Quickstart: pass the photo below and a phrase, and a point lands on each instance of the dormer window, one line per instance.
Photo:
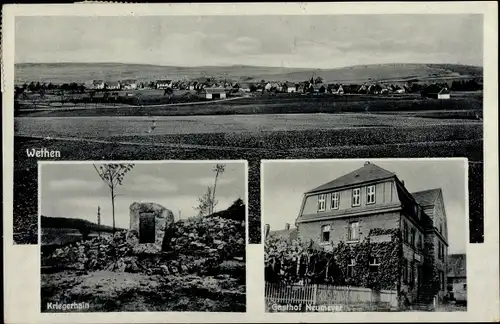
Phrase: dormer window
(321, 202)
(370, 194)
(335, 200)
(356, 196)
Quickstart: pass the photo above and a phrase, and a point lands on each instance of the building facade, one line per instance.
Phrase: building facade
(213, 93)
(371, 204)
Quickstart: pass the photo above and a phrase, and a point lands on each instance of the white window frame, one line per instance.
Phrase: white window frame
(335, 200)
(349, 234)
(322, 202)
(356, 199)
(351, 265)
(325, 229)
(369, 194)
(375, 262)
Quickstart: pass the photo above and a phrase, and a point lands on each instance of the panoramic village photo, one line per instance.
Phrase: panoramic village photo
(365, 236)
(248, 87)
(143, 236)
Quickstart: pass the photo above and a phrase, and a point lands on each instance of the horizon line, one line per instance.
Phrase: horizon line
(255, 66)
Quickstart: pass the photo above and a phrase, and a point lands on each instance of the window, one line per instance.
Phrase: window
(421, 243)
(353, 234)
(350, 268)
(370, 194)
(374, 264)
(441, 280)
(355, 196)
(147, 228)
(441, 250)
(335, 200)
(325, 233)
(412, 237)
(441, 228)
(412, 273)
(404, 266)
(405, 232)
(321, 202)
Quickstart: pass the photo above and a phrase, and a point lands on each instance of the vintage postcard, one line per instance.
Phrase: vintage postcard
(112, 85)
(365, 236)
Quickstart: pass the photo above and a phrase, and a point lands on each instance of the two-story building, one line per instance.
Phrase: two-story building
(369, 202)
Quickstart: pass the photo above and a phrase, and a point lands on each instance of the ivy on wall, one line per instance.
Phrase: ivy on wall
(282, 257)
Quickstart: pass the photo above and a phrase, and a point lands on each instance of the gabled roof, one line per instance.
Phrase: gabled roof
(444, 91)
(426, 197)
(457, 265)
(369, 172)
(290, 234)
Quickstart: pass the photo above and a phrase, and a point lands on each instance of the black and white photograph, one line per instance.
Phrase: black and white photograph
(119, 236)
(365, 236)
(250, 162)
(245, 87)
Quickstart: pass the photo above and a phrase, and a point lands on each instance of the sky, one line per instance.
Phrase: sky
(282, 193)
(75, 190)
(308, 41)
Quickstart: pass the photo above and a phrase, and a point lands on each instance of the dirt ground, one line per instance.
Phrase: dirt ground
(107, 291)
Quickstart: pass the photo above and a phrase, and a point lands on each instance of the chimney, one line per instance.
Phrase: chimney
(287, 226)
(267, 228)
(403, 182)
(366, 163)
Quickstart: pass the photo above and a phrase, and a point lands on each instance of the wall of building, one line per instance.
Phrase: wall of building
(385, 193)
(340, 226)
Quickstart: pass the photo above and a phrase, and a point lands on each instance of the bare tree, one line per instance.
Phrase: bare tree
(207, 202)
(99, 220)
(219, 170)
(112, 175)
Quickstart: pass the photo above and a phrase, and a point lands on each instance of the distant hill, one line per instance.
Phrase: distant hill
(85, 72)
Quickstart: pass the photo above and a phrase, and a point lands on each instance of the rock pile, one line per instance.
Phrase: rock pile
(197, 245)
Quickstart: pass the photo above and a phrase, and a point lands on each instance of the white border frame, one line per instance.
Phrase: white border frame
(21, 274)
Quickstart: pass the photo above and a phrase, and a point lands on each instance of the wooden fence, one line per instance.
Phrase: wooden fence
(344, 298)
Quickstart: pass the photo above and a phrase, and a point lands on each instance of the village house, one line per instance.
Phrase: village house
(164, 84)
(213, 93)
(457, 277)
(112, 85)
(444, 94)
(336, 89)
(291, 87)
(370, 202)
(98, 84)
(129, 84)
(286, 233)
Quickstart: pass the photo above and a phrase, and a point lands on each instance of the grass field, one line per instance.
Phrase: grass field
(295, 104)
